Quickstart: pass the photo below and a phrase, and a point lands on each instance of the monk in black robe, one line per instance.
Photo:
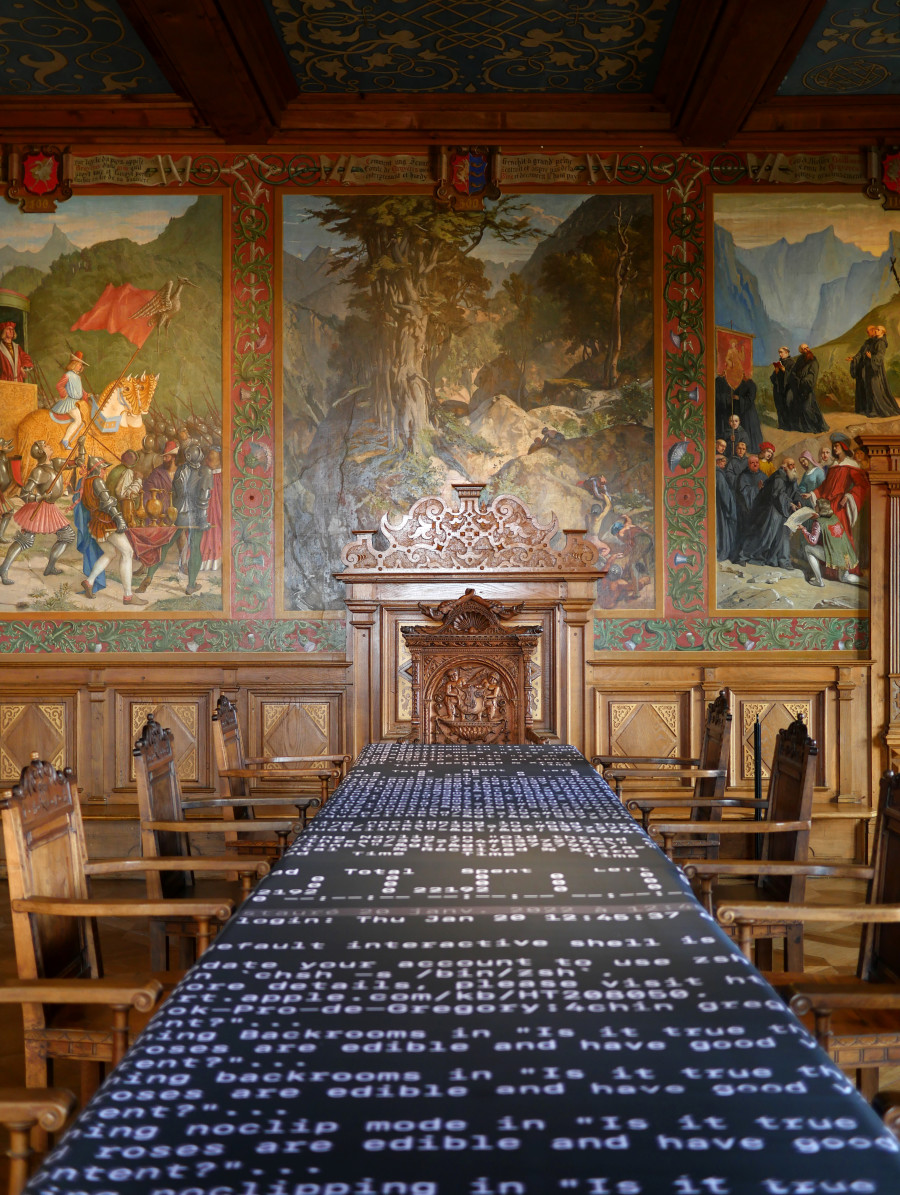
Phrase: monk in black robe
(873, 394)
(767, 539)
(805, 414)
(778, 378)
(726, 513)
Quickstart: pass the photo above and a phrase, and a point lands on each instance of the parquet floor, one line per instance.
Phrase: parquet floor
(125, 947)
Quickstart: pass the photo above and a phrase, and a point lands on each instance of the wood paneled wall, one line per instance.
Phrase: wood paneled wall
(89, 717)
(658, 707)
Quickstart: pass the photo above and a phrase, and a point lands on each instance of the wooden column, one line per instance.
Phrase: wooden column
(362, 647)
(884, 602)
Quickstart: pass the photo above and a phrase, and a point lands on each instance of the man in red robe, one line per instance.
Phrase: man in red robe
(846, 486)
(13, 360)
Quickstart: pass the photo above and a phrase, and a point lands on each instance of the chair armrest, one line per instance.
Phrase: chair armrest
(730, 914)
(250, 802)
(695, 803)
(608, 761)
(191, 863)
(825, 997)
(197, 825)
(744, 826)
(142, 996)
(47, 1107)
(741, 867)
(334, 760)
(279, 773)
(652, 773)
(217, 910)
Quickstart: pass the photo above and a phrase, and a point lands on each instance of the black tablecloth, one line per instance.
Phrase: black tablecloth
(474, 973)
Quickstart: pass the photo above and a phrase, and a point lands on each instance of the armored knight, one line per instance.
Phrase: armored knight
(107, 526)
(39, 514)
(191, 488)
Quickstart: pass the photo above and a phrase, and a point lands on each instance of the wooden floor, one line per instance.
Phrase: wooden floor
(125, 946)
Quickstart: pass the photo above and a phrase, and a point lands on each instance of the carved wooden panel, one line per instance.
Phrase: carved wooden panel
(471, 674)
(43, 725)
(187, 715)
(397, 674)
(289, 723)
(636, 725)
(774, 715)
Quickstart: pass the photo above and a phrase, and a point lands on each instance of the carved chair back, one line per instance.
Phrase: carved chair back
(159, 799)
(714, 750)
(45, 854)
(790, 797)
(229, 748)
(879, 954)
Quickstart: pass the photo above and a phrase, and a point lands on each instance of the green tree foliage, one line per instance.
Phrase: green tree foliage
(417, 284)
(189, 361)
(533, 320)
(603, 308)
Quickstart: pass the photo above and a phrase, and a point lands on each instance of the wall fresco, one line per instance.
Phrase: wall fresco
(512, 347)
(111, 427)
(250, 189)
(806, 358)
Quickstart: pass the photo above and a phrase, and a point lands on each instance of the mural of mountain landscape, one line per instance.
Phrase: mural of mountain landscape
(111, 407)
(512, 347)
(807, 298)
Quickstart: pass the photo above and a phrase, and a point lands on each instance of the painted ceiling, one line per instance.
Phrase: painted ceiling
(854, 49)
(88, 47)
(473, 45)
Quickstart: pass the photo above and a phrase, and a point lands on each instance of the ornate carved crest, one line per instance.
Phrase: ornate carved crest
(43, 792)
(155, 743)
(503, 537)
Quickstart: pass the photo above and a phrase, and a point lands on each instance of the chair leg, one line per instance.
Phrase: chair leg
(91, 1074)
(793, 949)
(19, 1154)
(867, 1082)
(764, 954)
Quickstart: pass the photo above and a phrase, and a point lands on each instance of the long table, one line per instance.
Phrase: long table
(474, 973)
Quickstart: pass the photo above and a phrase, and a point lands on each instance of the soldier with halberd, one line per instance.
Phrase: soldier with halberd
(39, 514)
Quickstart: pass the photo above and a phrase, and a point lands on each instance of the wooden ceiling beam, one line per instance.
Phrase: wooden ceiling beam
(723, 57)
(222, 55)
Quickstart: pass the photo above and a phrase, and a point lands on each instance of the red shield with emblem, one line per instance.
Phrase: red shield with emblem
(40, 173)
(891, 172)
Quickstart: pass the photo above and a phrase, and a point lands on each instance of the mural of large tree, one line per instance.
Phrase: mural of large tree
(416, 279)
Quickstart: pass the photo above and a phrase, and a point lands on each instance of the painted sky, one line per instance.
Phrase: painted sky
(769, 217)
(87, 220)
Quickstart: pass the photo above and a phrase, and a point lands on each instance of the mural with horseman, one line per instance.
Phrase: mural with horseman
(111, 406)
(511, 346)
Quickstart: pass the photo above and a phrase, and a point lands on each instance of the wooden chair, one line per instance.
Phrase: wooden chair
(65, 999)
(165, 836)
(21, 1111)
(785, 836)
(297, 772)
(708, 771)
(857, 1018)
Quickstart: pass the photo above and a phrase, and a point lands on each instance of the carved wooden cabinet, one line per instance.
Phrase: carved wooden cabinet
(471, 675)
